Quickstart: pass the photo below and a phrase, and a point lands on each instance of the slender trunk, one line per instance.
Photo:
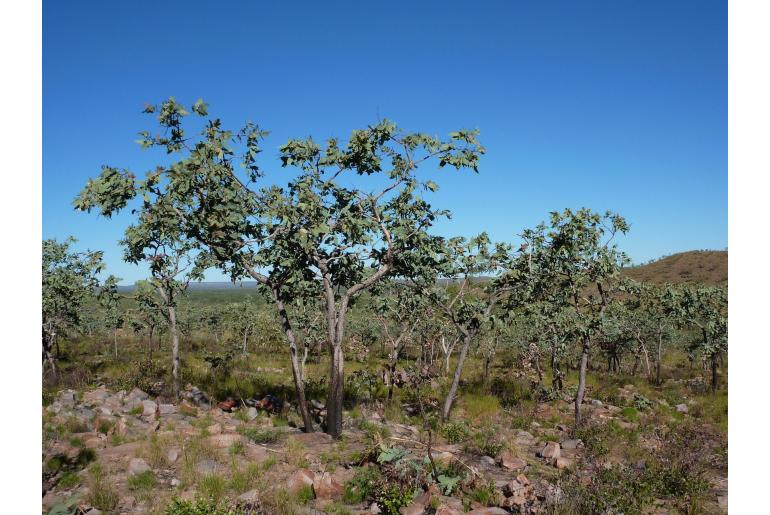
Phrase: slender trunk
(487, 359)
(297, 373)
(659, 360)
(245, 339)
(714, 379)
(456, 379)
(115, 341)
(581, 390)
(174, 348)
(334, 401)
(637, 359)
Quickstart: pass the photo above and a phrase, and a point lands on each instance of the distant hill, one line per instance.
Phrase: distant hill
(694, 267)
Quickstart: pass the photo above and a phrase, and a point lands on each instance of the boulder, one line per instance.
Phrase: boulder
(551, 451)
(510, 462)
(412, 509)
(251, 496)
(682, 408)
(488, 510)
(95, 397)
(167, 409)
(208, 467)
(571, 444)
(326, 487)
(137, 466)
(66, 398)
(251, 413)
(224, 440)
(148, 408)
(562, 463)
(300, 479)
(172, 455)
(136, 393)
(487, 460)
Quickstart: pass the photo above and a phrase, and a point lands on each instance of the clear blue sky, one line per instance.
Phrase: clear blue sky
(616, 105)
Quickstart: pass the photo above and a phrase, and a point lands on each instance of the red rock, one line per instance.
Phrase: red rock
(510, 462)
(326, 487)
(300, 479)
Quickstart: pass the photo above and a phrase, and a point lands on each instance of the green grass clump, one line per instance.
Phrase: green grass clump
(213, 486)
(237, 448)
(101, 494)
(142, 484)
(455, 432)
(260, 435)
(68, 480)
(200, 507)
(363, 486)
(305, 495)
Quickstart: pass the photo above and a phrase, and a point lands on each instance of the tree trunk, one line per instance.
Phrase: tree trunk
(336, 385)
(174, 348)
(714, 378)
(297, 373)
(456, 379)
(115, 341)
(581, 390)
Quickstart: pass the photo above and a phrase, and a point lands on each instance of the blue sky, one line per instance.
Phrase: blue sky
(617, 105)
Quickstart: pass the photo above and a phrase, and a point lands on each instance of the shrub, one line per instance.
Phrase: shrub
(393, 497)
(363, 486)
(68, 480)
(455, 432)
(101, 494)
(213, 486)
(199, 507)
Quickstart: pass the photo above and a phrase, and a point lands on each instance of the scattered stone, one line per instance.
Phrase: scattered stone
(597, 402)
(310, 439)
(207, 467)
(571, 444)
(167, 409)
(67, 397)
(374, 509)
(510, 462)
(214, 429)
(551, 451)
(412, 509)
(488, 510)
(224, 440)
(172, 455)
(137, 466)
(148, 408)
(563, 463)
(682, 408)
(488, 460)
(95, 397)
(136, 393)
(251, 413)
(175, 482)
(326, 487)
(300, 479)
(251, 496)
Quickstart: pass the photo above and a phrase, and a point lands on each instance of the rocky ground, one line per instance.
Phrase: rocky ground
(125, 452)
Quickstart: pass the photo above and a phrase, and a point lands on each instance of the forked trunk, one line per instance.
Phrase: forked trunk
(456, 378)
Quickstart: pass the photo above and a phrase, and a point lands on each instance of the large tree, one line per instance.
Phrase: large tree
(341, 223)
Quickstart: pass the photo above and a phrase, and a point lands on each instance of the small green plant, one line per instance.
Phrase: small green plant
(68, 479)
(76, 441)
(363, 486)
(142, 484)
(269, 462)
(641, 402)
(260, 435)
(455, 432)
(137, 410)
(305, 495)
(393, 497)
(213, 486)
(199, 507)
(237, 448)
(101, 493)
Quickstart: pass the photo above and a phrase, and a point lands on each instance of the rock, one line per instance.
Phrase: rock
(513, 487)
(412, 509)
(551, 451)
(136, 393)
(167, 409)
(597, 402)
(571, 444)
(488, 460)
(207, 467)
(251, 496)
(562, 463)
(514, 502)
(374, 509)
(310, 439)
(300, 479)
(137, 466)
(251, 413)
(722, 501)
(326, 487)
(95, 397)
(172, 455)
(488, 510)
(148, 408)
(510, 462)
(214, 429)
(682, 408)
(442, 458)
(67, 397)
(224, 440)
(175, 482)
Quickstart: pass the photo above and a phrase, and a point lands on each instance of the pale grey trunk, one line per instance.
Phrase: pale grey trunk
(456, 378)
(581, 390)
(174, 348)
(660, 359)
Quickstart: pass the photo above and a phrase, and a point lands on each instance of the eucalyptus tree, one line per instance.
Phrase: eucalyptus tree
(465, 279)
(110, 302)
(398, 309)
(581, 265)
(69, 281)
(158, 238)
(705, 309)
(340, 224)
(149, 312)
